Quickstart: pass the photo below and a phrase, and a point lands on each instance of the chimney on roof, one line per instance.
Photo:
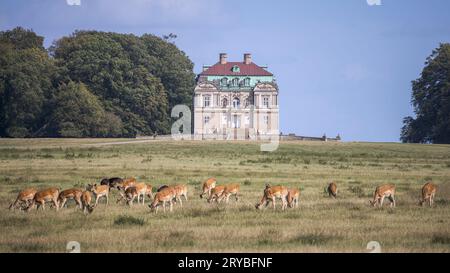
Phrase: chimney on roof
(247, 58)
(223, 58)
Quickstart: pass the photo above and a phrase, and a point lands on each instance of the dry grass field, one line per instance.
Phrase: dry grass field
(320, 224)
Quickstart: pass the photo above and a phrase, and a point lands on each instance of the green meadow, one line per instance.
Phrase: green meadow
(320, 224)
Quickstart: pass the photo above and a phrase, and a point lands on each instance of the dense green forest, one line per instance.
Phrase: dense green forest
(90, 84)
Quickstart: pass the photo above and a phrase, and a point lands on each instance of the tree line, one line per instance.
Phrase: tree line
(90, 84)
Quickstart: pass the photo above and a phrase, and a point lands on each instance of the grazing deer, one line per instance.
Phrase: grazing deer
(25, 197)
(332, 190)
(292, 197)
(208, 185)
(180, 190)
(141, 189)
(382, 192)
(428, 193)
(215, 193)
(99, 191)
(129, 195)
(86, 202)
(43, 196)
(230, 189)
(73, 193)
(111, 182)
(126, 183)
(165, 195)
(271, 194)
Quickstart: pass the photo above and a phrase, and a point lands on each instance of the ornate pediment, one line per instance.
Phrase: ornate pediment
(265, 86)
(206, 86)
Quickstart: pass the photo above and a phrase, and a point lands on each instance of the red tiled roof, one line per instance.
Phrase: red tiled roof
(245, 70)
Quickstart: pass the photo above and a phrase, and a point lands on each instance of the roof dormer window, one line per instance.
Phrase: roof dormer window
(236, 69)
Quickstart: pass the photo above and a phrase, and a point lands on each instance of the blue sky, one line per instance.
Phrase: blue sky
(342, 66)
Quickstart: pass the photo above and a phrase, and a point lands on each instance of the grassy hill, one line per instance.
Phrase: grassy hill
(318, 225)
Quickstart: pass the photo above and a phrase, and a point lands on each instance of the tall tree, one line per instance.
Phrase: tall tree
(431, 101)
(26, 74)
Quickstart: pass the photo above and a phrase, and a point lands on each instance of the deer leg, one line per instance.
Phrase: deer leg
(63, 202)
(55, 202)
(391, 198)
(171, 205)
(78, 201)
(381, 201)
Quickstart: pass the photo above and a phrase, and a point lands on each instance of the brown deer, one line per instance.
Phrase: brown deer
(208, 185)
(332, 190)
(271, 194)
(180, 190)
(24, 198)
(428, 193)
(99, 191)
(141, 189)
(129, 195)
(381, 192)
(125, 183)
(292, 197)
(215, 193)
(43, 196)
(86, 202)
(230, 189)
(165, 195)
(73, 193)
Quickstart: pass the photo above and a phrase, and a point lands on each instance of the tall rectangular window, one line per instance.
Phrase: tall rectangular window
(206, 119)
(265, 101)
(206, 100)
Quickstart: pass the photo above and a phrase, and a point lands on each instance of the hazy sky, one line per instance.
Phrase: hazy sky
(342, 66)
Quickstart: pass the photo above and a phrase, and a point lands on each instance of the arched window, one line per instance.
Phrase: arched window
(247, 82)
(236, 103)
(235, 82)
(224, 81)
(246, 103)
(224, 102)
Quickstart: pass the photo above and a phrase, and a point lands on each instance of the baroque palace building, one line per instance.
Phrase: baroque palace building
(235, 100)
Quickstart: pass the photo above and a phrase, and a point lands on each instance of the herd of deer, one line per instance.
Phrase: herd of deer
(129, 190)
